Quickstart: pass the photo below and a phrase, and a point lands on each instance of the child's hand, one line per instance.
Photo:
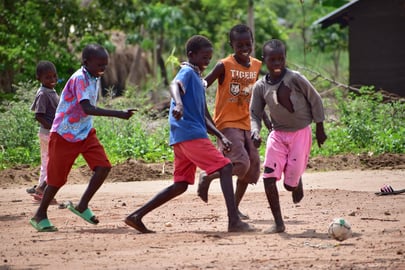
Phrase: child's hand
(126, 114)
(257, 140)
(177, 111)
(320, 134)
(226, 144)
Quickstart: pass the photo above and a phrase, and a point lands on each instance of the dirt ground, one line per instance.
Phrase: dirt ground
(191, 234)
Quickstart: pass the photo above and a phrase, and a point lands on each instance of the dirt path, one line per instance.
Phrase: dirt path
(192, 234)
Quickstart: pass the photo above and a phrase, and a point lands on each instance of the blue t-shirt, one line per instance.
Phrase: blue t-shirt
(71, 122)
(191, 126)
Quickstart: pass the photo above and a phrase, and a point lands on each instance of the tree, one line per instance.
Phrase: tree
(57, 30)
(54, 30)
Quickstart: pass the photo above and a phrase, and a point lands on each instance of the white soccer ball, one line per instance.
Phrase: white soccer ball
(340, 229)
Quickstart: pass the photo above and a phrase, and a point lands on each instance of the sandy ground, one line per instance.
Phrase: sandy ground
(192, 234)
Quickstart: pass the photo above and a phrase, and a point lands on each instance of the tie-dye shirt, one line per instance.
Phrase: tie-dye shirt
(71, 122)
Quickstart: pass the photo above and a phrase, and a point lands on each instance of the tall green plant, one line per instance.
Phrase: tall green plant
(18, 129)
(366, 125)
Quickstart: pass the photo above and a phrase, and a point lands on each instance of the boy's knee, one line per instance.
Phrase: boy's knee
(269, 181)
(227, 168)
(180, 187)
(268, 170)
(102, 171)
(105, 169)
(289, 188)
(240, 169)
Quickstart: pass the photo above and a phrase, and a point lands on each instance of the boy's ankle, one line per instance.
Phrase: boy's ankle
(40, 188)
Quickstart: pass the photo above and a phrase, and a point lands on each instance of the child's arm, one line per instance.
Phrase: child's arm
(96, 111)
(257, 113)
(175, 92)
(40, 117)
(211, 129)
(217, 73)
(267, 121)
(320, 134)
(208, 118)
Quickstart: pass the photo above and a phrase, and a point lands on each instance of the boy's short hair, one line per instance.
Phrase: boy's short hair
(240, 29)
(92, 50)
(196, 43)
(44, 66)
(274, 44)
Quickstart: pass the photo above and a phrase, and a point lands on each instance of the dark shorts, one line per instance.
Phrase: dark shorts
(244, 155)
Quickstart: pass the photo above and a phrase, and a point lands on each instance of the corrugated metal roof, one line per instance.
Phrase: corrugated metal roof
(338, 16)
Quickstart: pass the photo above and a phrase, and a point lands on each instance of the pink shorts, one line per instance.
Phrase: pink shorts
(288, 153)
(189, 155)
(62, 155)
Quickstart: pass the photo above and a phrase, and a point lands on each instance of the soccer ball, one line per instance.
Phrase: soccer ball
(339, 229)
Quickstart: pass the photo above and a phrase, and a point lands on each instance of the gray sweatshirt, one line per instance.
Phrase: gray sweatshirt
(306, 101)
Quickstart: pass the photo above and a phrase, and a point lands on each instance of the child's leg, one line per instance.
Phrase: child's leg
(48, 195)
(270, 188)
(58, 169)
(95, 156)
(204, 184)
(97, 179)
(300, 147)
(297, 192)
(43, 145)
(135, 219)
(234, 222)
(240, 158)
(252, 171)
(240, 191)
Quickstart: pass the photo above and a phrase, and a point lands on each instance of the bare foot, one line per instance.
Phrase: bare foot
(242, 216)
(275, 229)
(203, 186)
(136, 223)
(298, 192)
(241, 226)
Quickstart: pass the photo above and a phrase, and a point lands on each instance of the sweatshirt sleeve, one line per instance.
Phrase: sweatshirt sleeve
(312, 96)
(257, 104)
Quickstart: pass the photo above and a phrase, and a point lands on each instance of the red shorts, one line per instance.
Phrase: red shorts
(62, 155)
(189, 155)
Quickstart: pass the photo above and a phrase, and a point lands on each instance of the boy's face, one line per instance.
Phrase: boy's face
(274, 58)
(97, 64)
(242, 44)
(201, 58)
(48, 78)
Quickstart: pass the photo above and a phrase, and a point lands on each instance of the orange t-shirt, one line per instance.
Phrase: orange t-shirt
(233, 95)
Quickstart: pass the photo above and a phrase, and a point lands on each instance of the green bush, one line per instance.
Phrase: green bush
(365, 124)
(18, 129)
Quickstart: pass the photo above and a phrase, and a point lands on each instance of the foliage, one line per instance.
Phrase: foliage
(57, 30)
(139, 138)
(366, 125)
(54, 30)
(18, 130)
